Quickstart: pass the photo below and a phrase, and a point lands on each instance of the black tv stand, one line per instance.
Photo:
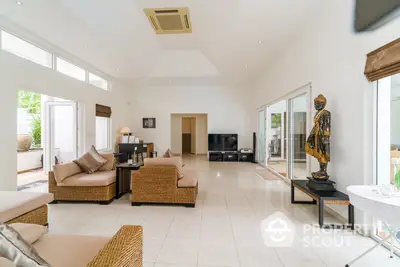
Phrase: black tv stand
(229, 156)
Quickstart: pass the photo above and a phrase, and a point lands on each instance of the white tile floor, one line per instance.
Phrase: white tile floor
(225, 227)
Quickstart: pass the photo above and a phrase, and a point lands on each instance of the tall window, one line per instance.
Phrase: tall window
(388, 139)
(98, 81)
(283, 127)
(103, 133)
(25, 50)
(70, 69)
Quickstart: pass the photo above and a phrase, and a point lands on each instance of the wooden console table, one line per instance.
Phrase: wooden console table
(321, 198)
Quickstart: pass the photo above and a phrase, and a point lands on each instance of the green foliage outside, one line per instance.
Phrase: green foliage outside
(276, 120)
(31, 102)
(36, 131)
(397, 180)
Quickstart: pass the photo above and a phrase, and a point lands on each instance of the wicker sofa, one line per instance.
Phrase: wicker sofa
(164, 180)
(124, 249)
(68, 183)
(24, 207)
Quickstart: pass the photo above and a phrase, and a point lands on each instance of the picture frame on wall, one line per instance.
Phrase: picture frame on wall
(149, 123)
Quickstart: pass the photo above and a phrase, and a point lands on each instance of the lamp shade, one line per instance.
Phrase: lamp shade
(125, 130)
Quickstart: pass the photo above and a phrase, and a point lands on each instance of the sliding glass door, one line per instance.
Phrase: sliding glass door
(297, 136)
(277, 137)
(287, 124)
(261, 137)
(387, 142)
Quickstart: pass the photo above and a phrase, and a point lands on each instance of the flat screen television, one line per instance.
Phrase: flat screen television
(222, 142)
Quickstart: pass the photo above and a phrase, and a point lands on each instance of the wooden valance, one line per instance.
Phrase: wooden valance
(383, 62)
(103, 111)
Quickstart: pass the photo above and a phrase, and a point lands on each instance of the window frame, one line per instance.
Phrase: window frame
(98, 76)
(54, 52)
(57, 58)
(376, 159)
(109, 137)
(51, 66)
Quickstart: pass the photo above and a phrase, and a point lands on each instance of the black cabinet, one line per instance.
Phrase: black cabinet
(232, 156)
(246, 157)
(215, 156)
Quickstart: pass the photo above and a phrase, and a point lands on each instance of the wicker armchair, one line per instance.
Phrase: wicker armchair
(159, 184)
(125, 249)
(101, 194)
(24, 207)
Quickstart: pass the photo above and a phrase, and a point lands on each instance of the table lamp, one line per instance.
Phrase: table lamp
(125, 131)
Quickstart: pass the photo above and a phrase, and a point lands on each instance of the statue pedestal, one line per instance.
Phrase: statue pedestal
(321, 185)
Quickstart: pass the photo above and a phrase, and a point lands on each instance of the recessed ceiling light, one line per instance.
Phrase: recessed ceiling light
(19, 3)
(260, 42)
(170, 81)
(246, 66)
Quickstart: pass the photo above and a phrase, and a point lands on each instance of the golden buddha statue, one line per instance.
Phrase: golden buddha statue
(318, 144)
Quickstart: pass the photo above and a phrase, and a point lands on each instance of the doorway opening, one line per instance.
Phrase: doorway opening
(189, 134)
(46, 134)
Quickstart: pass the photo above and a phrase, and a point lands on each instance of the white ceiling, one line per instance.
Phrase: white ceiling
(116, 37)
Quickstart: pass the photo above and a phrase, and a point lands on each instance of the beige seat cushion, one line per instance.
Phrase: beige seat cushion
(14, 204)
(189, 179)
(109, 166)
(64, 170)
(6, 263)
(95, 179)
(172, 161)
(69, 250)
(29, 232)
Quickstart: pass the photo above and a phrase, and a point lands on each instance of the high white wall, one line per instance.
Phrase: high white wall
(17, 73)
(228, 110)
(332, 57)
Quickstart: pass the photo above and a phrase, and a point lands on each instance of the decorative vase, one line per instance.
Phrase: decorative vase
(24, 142)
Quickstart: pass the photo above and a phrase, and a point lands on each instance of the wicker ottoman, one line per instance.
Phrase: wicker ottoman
(24, 207)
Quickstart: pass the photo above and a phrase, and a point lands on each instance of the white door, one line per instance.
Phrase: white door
(61, 133)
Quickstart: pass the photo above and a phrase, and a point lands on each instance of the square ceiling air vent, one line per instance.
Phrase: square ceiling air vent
(169, 20)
